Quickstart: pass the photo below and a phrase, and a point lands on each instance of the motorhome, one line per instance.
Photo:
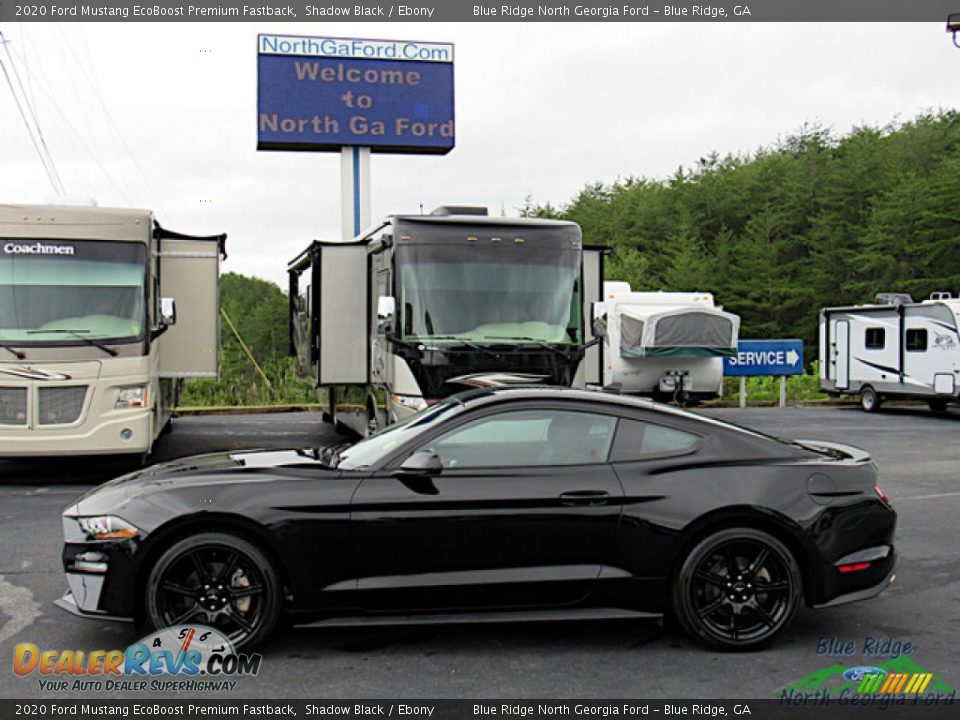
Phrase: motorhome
(668, 345)
(894, 348)
(423, 306)
(103, 314)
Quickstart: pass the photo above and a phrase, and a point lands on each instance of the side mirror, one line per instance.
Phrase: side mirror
(599, 324)
(423, 462)
(168, 311)
(386, 308)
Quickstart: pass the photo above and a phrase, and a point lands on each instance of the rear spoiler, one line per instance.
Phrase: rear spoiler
(836, 450)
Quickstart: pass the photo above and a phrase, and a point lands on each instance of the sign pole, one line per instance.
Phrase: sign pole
(783, 391)
(743, 391)
(354, 191)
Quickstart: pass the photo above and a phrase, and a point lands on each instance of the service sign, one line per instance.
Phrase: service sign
(323, 93)
(765, 357)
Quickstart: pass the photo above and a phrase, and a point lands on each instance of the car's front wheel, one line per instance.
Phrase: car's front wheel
(737, 589)
(215, 579)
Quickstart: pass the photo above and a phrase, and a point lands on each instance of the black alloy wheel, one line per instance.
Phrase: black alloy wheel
(218, 580)
(737, 589)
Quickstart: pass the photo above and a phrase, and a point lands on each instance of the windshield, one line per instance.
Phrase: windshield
(57, 291)
(492, 294)
(369, 451)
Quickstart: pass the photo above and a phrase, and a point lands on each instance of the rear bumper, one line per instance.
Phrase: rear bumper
(858, 595)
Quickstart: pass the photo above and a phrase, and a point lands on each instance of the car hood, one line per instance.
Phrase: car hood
(234, 467)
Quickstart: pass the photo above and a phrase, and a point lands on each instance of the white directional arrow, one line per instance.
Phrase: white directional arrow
(792, 357)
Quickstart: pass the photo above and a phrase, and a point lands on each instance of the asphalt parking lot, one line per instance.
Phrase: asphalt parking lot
(919, 459)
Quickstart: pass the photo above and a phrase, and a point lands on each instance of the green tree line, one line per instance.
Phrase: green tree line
(258, 310)
(814, 220)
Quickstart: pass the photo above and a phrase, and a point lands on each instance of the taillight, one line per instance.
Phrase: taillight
(853, 567)
(882, 495)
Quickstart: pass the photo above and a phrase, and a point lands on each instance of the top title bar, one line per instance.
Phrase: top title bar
(860, 11)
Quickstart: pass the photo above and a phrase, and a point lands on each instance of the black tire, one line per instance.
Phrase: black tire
(215, 579)
(737, 589)
(869, 399)
(937, 406)
(374, 421)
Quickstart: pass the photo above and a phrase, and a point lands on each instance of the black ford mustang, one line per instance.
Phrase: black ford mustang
(503, 504)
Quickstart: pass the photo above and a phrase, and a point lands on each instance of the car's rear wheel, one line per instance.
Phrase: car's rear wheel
(737, 589)
(215, 579)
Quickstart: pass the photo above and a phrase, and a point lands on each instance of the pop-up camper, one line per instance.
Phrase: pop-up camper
(666, 344)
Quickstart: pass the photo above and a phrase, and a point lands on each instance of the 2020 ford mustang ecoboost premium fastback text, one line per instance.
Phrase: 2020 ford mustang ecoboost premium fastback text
(516, 503)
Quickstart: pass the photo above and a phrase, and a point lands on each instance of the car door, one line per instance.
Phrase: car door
(523, 513)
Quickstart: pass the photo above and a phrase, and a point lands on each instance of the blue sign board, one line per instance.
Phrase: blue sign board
(766, 357)
(327, 93)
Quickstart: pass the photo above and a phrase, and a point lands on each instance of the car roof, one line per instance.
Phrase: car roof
(478, 397)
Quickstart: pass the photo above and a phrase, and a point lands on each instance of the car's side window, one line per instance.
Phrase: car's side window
(638, 440)
(527, 437)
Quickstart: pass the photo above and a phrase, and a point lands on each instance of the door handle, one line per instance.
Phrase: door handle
(585, 497)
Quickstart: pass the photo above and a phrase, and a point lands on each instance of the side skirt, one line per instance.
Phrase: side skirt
(484, 617)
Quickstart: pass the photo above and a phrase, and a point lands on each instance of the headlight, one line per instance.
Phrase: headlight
(134, 396)
(413, 402)
(106, 527)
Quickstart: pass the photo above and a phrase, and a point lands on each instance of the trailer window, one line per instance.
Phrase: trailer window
(917, 340)
(875, 339)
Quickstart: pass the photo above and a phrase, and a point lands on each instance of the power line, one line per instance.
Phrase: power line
(106, 111)
(67, 124)
(51, 174)
(33, 115)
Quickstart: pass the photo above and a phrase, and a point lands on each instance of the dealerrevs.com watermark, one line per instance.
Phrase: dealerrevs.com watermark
(184, 658)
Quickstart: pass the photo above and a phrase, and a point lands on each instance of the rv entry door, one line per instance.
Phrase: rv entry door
(841, 354)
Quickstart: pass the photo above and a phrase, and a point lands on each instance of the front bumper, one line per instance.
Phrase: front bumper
(69, 603)
(93, 437)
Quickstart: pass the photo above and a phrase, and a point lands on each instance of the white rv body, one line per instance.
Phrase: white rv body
(92, 350)
(423, 306)
(892, 349)
(668, 344)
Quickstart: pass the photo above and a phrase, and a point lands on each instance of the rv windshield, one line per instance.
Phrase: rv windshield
(57, 291)
(493, 295)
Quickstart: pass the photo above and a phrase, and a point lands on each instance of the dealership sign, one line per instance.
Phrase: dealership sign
(765, 357)
(321, 93)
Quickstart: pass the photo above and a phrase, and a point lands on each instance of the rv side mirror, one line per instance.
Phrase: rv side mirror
(386, 307)
(168, 311)
(599, 324)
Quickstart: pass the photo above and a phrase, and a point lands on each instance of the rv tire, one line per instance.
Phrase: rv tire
(937, 406)
(869, 399)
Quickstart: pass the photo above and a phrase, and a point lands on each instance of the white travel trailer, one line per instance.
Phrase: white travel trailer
(103, 313)
(666, 344)
(895, 348)
(423, 306)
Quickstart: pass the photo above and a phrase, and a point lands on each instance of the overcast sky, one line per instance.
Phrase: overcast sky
(164, 115)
